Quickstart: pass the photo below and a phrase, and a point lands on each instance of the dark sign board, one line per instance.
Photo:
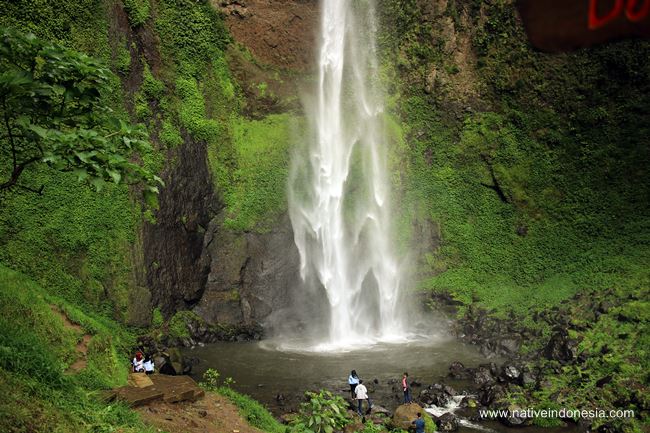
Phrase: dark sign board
(562, 25)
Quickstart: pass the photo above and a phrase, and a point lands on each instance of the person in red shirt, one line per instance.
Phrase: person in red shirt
(406, 388)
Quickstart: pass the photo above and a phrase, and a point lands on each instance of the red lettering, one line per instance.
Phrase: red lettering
(596, 22)
(640, 14)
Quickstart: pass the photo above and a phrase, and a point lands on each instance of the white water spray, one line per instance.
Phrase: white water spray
(339, 194)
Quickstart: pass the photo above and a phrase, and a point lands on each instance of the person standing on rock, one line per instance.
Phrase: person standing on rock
(406, 388)
(419, 424)
(362, 394)
(353, 381)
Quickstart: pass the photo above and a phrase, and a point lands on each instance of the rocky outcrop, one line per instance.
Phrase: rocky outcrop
(251, 275)
(173, 246)
(277, 33)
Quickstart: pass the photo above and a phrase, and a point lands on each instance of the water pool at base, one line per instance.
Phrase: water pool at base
(264, 372)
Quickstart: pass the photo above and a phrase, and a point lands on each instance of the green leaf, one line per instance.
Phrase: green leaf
(41, 132)
(98, 183)
(81, 174)
(115, 175)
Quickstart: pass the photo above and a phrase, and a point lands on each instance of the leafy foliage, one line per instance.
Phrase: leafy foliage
(53, 113)
(323, 413)
(138, 11)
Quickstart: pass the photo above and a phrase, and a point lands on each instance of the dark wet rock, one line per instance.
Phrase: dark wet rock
(529, 378)
(490, 394)
(458, 371)
(510, 373)
(560, 347)
(482, 376)
(377, 409)
(604, 306)
(603, 381)
(415, 383)
(449, 390)
(375, 381)
(509, 346)
(469, 401)
(447, 422)
(515, 418)
(437, 394)
(247, 281)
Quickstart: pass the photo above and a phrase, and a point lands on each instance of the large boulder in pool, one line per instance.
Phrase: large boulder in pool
(407, 413)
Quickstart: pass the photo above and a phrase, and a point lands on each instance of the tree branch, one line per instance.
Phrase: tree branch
(495, 183)
(18, 169)
(9, 133)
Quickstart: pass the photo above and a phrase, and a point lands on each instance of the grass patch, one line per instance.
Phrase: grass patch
(36, 393)
(256, 414)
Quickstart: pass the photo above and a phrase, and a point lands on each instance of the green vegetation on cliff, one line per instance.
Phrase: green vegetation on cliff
(80, 250)
(531, 167)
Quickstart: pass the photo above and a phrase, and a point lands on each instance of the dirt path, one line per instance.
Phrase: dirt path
(82, 345)
(211, 414)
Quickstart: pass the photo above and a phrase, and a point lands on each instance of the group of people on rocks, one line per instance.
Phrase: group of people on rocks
(359, 391)
(142, 363)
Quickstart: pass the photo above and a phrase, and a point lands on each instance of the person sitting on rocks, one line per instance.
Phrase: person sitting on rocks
(362, 394)
(148, 365)
(138, 362)
(419, 424)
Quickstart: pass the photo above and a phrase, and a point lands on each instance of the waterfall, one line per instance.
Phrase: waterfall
(339, 193)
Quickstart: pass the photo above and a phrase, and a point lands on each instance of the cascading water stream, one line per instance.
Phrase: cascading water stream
(339, 194)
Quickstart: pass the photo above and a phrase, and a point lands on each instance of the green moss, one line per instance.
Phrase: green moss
(200, 39)
(170, 137)
(157, 319)
(177, 327)
(138, 11)
(257, 193)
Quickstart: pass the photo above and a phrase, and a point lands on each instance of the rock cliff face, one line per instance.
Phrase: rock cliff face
(280, 33)
(251, 275)
(194, 262)
(173, 247)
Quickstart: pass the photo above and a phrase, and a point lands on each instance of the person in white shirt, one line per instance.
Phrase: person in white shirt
(148, 365)
(362, 394)
(138, 362)
(353, 381)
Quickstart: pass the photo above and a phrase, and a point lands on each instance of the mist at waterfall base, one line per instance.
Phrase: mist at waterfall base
(340, 197)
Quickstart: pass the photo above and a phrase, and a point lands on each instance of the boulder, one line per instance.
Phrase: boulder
(449, 390)
(510, 373)
(490, 394)
(528, 378)
(379, 410)
(458, 371)
(560, 347)
(509, 346)
(447, 422)
(405, 414)
(482, 376)
(515, 417)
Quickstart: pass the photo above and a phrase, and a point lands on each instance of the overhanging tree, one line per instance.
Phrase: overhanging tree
(52, 112)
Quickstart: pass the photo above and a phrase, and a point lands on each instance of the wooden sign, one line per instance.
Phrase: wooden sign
(562, 25)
